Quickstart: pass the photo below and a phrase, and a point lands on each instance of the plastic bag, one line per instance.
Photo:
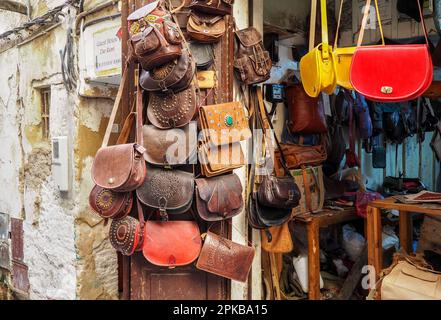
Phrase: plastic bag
(353, 242)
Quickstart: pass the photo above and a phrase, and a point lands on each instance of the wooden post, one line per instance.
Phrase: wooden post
(374, 239)
(312, 230)
(406, 231)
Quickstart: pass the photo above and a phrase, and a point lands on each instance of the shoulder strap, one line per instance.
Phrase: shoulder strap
(338, 24)
(139, 135)
(364, 22)
(312, 22)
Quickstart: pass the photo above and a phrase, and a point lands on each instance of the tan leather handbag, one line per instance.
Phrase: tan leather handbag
(277, 239)
(206, 28)
(121, 167)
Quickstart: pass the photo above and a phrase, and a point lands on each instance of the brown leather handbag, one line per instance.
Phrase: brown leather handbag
(219, 198)
(169, 191)
(306, 114)
(154, 38)
(167, 111)
(109, 204)
(174, 76)
(126, 235)
(297, 156)
(206, 28)
(278, 192)
(121, 167)
(217, 160)
(252, 63)
(225, 258)
(173, 147)
(171, 243)
(219, 7)
(202, 54)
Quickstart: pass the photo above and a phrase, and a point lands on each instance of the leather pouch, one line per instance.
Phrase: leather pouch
(206, 79)
(173, 147)
(206, 28)
(169, 191)
(225, 258)
(171, 243)
(202, 54)
(252, 63)
(219, 198)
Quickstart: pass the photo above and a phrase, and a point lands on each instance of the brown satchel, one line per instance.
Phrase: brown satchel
(167, 111)
(154, 39)
(297, 156)
(220, 7)
(172, 77)
(252, 63)
(225, 258)
(206, 28)
(121, 167)
(173, 147)
(306, 114)
(219, 198)
(169, 191)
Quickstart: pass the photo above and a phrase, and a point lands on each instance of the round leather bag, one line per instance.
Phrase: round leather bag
(126, 235)
(109, 204)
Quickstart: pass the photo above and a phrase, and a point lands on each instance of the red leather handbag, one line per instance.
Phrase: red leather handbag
(391, 73)
(171, 243)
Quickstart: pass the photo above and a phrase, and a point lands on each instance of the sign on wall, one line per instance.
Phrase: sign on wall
(107, 52)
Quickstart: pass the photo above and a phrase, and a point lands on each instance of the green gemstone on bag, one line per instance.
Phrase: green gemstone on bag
(229, 121)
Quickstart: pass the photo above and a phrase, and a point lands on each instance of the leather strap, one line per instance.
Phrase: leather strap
(127, 127)
(364, 22)
(338, 24)
(140, 212)
(115, 109)
(139, 135)
(325, 40)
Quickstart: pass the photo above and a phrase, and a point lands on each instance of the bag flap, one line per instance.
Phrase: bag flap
(166, 189)
(424, 275)
(113, 165)
(262, 63)
(249, 36)
(143, 11)
(221, 194)
(225, 123)
(170, 147)
(171, 243)
(202, 53)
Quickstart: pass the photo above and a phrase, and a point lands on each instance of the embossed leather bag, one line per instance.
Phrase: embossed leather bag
(171, 147)
(206, 28)
(219, 198)
(169, 191)
(174, 76)
(126, 235)
(154, 38)
(202, 54)
(391, 73)
(225, 258)
(306, 114)
(252, 63)
(171, 243)
(220, 7)
(109, 204)
(167, 111)
(223, 127)
(121, 167)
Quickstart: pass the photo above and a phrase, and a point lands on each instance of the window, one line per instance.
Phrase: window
(45, 111)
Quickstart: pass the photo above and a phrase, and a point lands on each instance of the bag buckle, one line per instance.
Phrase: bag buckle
(386, 89)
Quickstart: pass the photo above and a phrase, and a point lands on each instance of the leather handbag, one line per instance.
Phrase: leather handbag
(225, 258)
(172, 77)
(317, 66)
(154, 38)
(168, 111)
(202, 54)
(219, 7)
(306, 114)
(109, 204)
(219, 198)
(169, 191)
(206, 28)
(297, 156)
(252, 63)
(342, 58)
(312, 190)
(391, 73)
(173, 147)
(217, 160)
(121, 167)
(126, 234)
(171, 243)
(278, 192)
(277, 239)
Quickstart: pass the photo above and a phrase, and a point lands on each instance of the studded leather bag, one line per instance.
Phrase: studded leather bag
(206, 28)
(154, 38)
(169, 191)
(225, 258)
(121, 168)
(173, 147)
(219, 7)
(252, 63)
(167, 111)
(219, 198)
(109, 204)
(174, 76)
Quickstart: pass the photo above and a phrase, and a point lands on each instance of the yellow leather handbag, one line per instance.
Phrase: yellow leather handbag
(317, 66)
